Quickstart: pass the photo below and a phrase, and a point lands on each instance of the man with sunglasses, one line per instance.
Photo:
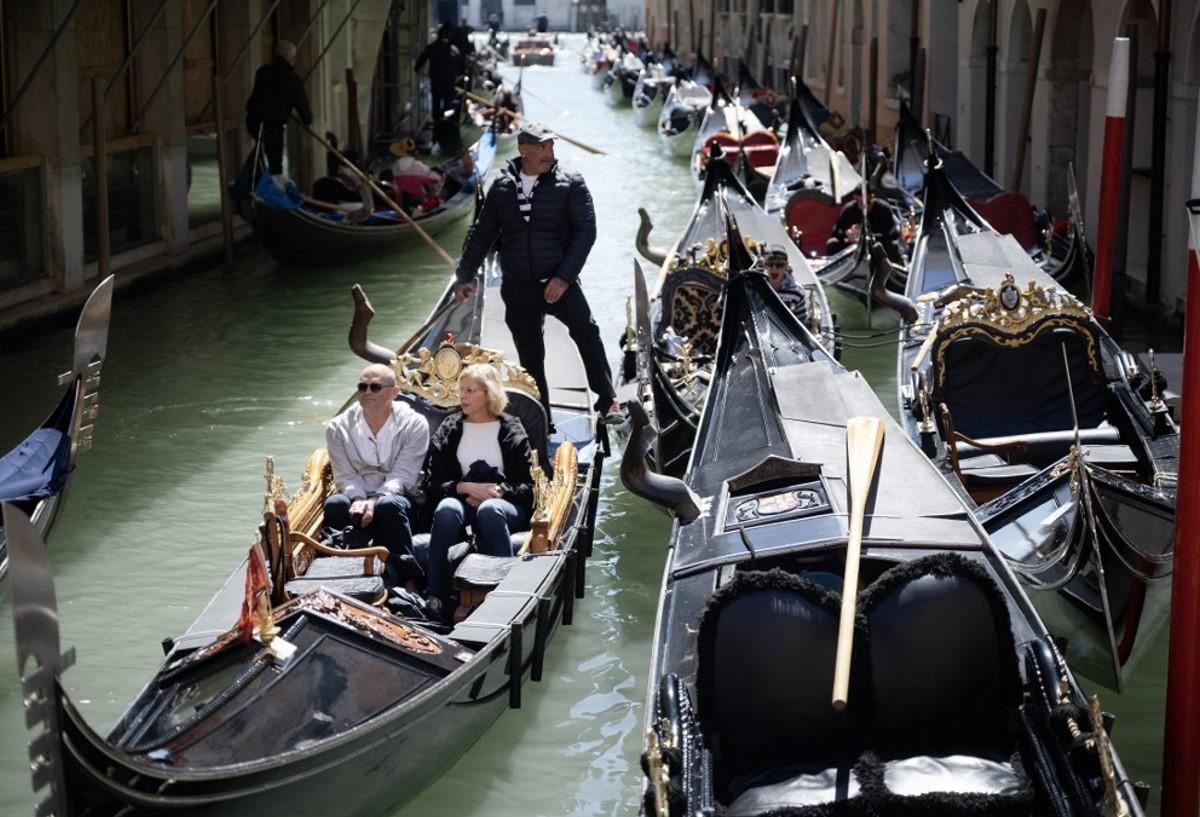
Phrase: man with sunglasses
(541, 220)
(779, 273)
(376, 450)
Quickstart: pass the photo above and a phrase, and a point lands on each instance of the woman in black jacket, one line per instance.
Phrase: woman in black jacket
(478, 475)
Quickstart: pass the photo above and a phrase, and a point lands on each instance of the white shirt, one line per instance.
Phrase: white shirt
(386, 462)
(480, 441)
(527, 183)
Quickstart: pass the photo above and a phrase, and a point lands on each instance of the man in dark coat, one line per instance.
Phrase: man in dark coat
(882, 220)
(277, 90)
(541, 220)
(444, 60)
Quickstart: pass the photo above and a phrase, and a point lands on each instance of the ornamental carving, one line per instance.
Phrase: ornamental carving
(710, 256)
(434, 375)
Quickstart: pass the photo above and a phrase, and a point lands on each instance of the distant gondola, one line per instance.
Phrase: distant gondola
(301, 233)
(35, 474)
(368, 704)
(1054, 434)
(959, 702)
(622, 79)
(748, 145)
(654, 85)
(671, 341)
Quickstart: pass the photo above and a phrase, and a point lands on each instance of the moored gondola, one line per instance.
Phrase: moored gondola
(622, 79)
(35, 474)
(654, 85)
(957, 701)
(671, 340)
(1053, 433)
(303, 232)
(747, 144)
(325, 694)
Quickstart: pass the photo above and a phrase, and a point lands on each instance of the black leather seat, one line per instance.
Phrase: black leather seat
(341, 575)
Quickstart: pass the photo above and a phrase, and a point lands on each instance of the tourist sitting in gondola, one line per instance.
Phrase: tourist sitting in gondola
(376, 449)
(414, 180)
(479, 475)
(885, 227)
(779, 273)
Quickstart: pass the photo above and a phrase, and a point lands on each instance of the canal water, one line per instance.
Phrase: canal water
(210, 372)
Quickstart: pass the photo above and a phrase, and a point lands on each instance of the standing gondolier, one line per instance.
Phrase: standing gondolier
(277, 90)
(541, 220)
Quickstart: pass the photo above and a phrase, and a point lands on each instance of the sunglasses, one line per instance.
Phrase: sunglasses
(776, 264)
(362, 387)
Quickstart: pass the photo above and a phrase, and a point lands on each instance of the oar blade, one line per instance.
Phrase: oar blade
(864, 441)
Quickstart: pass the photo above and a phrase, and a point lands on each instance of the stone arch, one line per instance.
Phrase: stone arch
(942, 54)
(1069, 123)
(978, 80)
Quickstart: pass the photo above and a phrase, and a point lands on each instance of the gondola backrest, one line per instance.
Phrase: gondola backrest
(1003, 377)
(691, 305)
(521, 405)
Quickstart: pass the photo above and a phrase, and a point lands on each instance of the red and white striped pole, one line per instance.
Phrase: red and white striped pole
(1181, 741)
(1110, 176)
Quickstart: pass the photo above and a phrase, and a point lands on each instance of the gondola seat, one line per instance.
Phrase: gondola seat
(357, 573)
(946, 689)
(765, 670)
(691, 305)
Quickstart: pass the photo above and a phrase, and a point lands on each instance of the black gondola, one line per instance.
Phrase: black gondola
(1053, 433)
(959, 703)
(35, 474)
(748, 145)
(622, 78)
(362, 706)
(672, 336)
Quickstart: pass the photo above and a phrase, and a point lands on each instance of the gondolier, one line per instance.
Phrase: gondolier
(541, 220)
(277, 90)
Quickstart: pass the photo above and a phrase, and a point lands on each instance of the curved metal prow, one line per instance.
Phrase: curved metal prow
(35, 625)
(881, 270)
(655, 255)
(669, 492)
(359, 343)
(91, 331)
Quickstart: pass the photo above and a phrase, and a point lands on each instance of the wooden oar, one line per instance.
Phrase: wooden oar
(864, 439)
(386, 198)
(519, 117)
(333, 208)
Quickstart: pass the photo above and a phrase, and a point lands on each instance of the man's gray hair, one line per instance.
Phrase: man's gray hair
(286, 50)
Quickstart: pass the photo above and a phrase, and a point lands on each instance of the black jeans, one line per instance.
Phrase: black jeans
(525, 313)
(272, 145)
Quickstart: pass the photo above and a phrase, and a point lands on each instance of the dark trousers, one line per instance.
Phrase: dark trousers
(389, 526)
(525, 313)
(272, 146)
(492, 523)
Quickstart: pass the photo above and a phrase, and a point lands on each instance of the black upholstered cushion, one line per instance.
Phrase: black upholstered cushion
(532, 415)
(480, 572)
(364, 588)
(338, 567)
(766, 654)
(943, 666)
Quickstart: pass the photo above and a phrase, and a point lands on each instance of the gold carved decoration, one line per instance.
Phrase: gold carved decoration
(1012, 317)
(709, 256)
(552, 499)
(434, 375)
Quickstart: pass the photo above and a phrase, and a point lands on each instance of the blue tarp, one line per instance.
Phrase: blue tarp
(36, 468)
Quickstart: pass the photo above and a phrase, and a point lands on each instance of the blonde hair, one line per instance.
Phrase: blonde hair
(487, 377)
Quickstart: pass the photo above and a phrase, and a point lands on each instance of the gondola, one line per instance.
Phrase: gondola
(650, 94)
(535, 50)
(35, 474)
(1053, 434)
(747, 144)
(958, 701)
(622, 78)
(671, 340)
(324, 700)
(811, 183)
(300, 233)
(679, 120)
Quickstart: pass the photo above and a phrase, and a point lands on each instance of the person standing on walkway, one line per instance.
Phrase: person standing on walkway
(541, 219)
(444, 60)
(277, 90)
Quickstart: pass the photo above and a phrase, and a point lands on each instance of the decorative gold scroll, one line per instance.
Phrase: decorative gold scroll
(434, 375)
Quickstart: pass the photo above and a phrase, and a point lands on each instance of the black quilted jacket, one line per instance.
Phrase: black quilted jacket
(445, 472)
(554, 242)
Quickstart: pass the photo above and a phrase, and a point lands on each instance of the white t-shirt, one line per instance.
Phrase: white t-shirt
(527, 183)
(480, 441)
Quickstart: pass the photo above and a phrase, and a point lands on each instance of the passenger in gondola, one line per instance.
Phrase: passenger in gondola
(277, 91)
(412, 178)
(376, 449)
(779, 273)
(884, 224)
(479, 476)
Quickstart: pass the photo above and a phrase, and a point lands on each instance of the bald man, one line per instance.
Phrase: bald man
(376, 449)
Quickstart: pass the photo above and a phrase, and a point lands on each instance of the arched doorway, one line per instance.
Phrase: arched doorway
(942, 51)
(977, 103)
(1069, 76)
(1016, 69)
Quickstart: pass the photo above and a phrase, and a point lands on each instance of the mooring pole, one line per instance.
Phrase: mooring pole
(833, 26)
(1121, 242)
(873, 93)
(989, 115)
(1158, 151)
(918, 97)
(1110, 176)
(223, 171)
(100, 176)
(1039, 28)
(1181, 743)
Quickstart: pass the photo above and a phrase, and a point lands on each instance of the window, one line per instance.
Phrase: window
(132, 216)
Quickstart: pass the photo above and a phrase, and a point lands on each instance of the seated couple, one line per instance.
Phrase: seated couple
(477, 467)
